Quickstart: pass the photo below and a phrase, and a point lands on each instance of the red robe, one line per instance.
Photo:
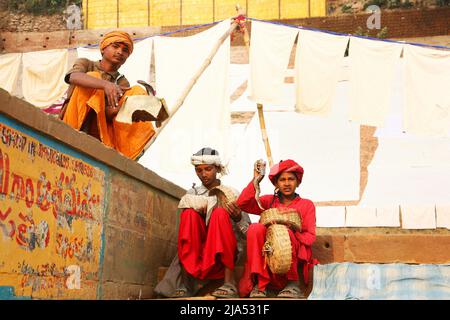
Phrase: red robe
(203, 250)
(301, 241)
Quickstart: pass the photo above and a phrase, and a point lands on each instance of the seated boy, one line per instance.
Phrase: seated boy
(286, 176)
(210, 240)
(97, 92)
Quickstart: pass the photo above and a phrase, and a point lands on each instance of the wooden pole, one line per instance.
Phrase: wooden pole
(262, 123)
(192, 82)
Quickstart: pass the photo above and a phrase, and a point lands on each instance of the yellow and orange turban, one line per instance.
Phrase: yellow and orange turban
(117, 36)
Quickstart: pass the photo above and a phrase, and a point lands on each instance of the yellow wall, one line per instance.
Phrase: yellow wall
(100, 14)
(318, 8)
(225, 9)
(164, 12)
(134, 13)
(51, 217)
(291, 9)
(197, 11)
(263, 9)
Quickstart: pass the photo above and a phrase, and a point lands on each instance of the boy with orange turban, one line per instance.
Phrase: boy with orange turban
(97, 91)
(286, 176)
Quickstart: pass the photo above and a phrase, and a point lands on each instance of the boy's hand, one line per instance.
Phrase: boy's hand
(234, 211)
(113, 93)
(259, 169)
(202, 211)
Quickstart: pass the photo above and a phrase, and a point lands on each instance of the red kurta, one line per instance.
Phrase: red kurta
(301, 241)
(203, 250)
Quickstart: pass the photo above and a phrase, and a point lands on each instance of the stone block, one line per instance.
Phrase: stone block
(398, 248)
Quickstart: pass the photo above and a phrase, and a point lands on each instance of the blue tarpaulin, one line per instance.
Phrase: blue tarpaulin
(397, 281)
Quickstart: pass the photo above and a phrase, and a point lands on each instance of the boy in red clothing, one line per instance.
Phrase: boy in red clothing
(207, 247)
(286, 176)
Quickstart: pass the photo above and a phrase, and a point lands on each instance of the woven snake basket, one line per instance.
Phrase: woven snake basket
(276, 216)
(224, 195)
(277, 249)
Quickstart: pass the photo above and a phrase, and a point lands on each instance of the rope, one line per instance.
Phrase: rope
(160, 34)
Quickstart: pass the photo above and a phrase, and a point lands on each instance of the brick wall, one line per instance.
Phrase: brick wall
(401, 23)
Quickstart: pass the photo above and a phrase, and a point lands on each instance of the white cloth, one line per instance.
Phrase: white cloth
(204, 118)
(270, 50)
(371, 216)
(199, 202)
(285, 103)
(238, 76)
(318, 67)
(43, 76)
(443, 216)
(418, 216)
(93, 53)
(413, 170)
(427, 98)
(330, 217)
(312, 142)
(137, 66)
(178, 59)
(9, 70)
(372, 66)
(359, 216)
(388, 216)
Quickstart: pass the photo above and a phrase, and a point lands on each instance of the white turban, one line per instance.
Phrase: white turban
(208, 156)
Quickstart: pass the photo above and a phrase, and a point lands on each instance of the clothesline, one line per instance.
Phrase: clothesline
(160, 34)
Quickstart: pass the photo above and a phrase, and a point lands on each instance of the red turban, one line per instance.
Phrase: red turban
(285, 166)
(117, 36)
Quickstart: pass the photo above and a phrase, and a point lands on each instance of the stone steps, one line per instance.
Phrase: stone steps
(205, 292)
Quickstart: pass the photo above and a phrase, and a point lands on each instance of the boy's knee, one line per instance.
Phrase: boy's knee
(220, 214)
(256, 229)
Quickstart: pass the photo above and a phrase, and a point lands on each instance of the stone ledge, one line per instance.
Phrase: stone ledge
(382, 245)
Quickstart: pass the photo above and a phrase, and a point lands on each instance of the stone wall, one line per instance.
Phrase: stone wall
(22, 22)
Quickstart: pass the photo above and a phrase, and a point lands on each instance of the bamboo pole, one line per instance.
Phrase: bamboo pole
(192, 82)
(262, 123)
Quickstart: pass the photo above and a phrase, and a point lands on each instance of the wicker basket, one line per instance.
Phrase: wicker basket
(224, 195)
(277, 249)
(276, 216)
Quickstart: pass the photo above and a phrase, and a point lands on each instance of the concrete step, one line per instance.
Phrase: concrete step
(205, 292)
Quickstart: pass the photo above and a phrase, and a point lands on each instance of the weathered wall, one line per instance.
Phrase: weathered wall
(71, 208)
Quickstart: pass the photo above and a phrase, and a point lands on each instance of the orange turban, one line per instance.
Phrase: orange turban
(117, 36)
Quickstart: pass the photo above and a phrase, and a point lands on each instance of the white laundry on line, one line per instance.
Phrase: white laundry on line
(371, 79)
(43, 76)
(9, 70)
(318, 66)
(270, 49)
(427, 98)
